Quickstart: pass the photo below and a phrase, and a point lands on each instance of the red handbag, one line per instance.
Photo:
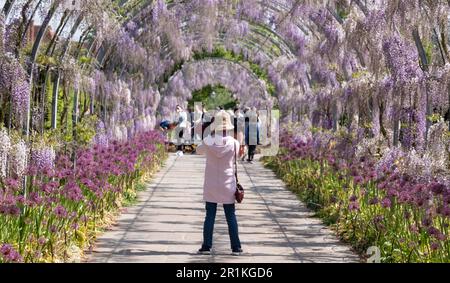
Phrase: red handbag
(240, 192)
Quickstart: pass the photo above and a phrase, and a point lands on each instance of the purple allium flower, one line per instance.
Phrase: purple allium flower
(432, 231)
(378, 219)
(84, 218)
(9, 254)
(374, 201)
(14, 210)
(435, 246)
(73, 192)
(381, 186)
(391, 193)
(358, 180)
(386, 203)
(414, 229)
(353, 206)
(437, 188)
(60, 211)
(404, 197)
(353, 198)
(42, 241)
(407, 215)
(364, 192)
(53, 229)
(446, 211)
(426, 221)
(12, 184)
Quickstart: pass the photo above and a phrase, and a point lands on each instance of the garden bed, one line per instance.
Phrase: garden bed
(405, 218)
(66, 206)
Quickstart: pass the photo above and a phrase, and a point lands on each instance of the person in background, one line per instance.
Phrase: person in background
(197, 117)
(207, 120)
(251, 133)
(239, 129)
(190, 129)
(181, 129)
(220, 183)
(246, 130)
(165, 125)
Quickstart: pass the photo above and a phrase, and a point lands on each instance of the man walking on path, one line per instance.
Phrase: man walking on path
(181, 129)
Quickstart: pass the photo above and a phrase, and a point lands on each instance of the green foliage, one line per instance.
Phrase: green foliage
(85, 60)
(85, 130)
(435, 118)
(342, 12)
(222, 97)
(176, 68)
(359, 74)
(329, 192)
(428, 46)
(46, 60)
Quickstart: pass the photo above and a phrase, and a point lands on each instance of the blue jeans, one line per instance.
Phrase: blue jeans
(208, 228)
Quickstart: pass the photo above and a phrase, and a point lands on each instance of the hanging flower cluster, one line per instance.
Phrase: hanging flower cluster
(14, 80)
(19, 158)
(5, 147)
(13, 156)
(43, 158)
(216, 72)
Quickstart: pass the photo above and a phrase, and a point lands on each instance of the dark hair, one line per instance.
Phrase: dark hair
(207, 124)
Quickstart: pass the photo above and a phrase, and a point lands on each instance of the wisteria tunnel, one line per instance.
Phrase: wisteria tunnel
(357, 94)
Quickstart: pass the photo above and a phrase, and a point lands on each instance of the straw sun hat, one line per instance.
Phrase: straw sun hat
(222, 122)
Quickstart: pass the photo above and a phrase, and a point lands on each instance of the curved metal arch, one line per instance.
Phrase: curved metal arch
(271, 37)
(220, 61)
